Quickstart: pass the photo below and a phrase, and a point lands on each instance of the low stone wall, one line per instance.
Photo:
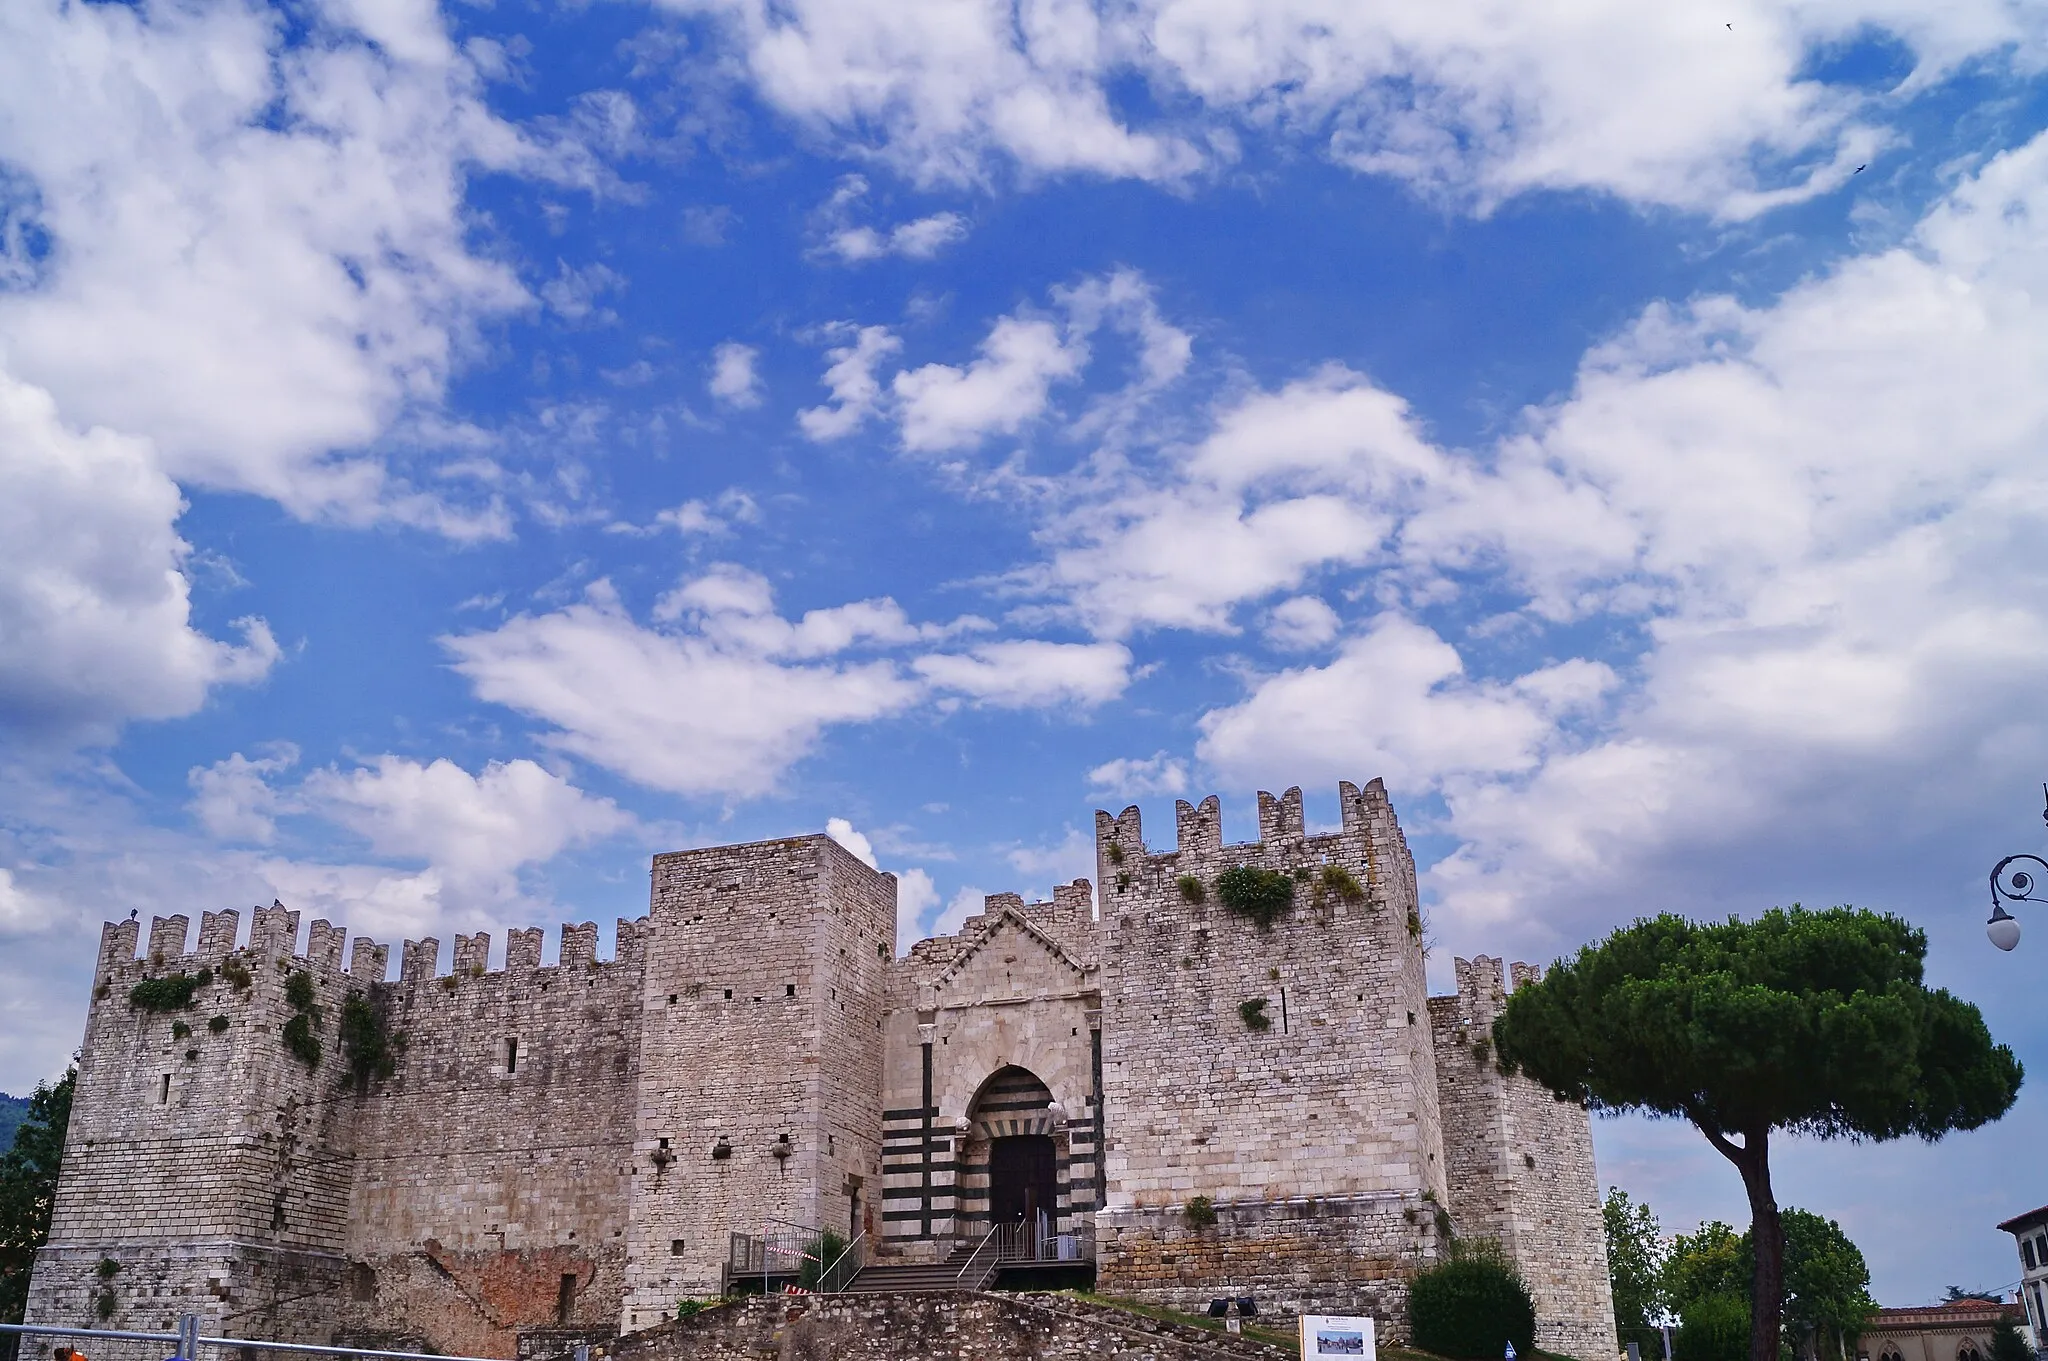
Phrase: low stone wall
(940, 1326)
(1331, 1255)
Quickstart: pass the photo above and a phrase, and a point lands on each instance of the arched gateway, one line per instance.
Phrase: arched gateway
(1015, 1140)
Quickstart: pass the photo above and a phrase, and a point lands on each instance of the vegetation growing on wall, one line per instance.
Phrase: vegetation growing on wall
(1191, 888)
(172, 992)
(299, 1040)
(237, 974)
(1262, 896)
(1200, 1212)
(367, 1046)
(1252, 1011)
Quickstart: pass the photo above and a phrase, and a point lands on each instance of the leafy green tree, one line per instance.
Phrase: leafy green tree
(1809, 1022)
(1713, 1328)
(2007, 1344)
(1827, 1284)
(1635, 1265)
(28, 1184)
(1715, 1260)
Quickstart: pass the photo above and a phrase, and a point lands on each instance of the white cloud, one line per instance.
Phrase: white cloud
(1301, 623)
(475, 830)
(735, 380)
(915, 897)
(945, 407)
(855, 844)
(234, 799)
(968, 902)
(850, 377)
(573, 294)
(1032, 673)
(95, 605)
(919, 239)
(22, 912)
(1473, 104)
(1130, 777)
(259, 257)
(697, 708)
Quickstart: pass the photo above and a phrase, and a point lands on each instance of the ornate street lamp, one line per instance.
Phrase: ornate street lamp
(2013, 886)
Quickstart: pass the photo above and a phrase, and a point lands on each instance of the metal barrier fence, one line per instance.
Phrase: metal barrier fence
(187, 1342)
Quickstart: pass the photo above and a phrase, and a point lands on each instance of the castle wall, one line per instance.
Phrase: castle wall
(1521, 1167)
(761, 1032)
(491, 1175)
(1327, 1107)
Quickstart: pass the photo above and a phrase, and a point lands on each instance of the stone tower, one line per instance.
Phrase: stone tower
(760, 1057)
(1522, 1167)
(1311, 1126)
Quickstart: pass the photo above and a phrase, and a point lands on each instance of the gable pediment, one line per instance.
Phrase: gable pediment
(1009, 956)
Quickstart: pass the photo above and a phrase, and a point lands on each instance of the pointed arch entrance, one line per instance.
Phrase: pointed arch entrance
(1018, 1141)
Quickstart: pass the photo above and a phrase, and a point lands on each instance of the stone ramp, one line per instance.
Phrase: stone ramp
(929, 1326)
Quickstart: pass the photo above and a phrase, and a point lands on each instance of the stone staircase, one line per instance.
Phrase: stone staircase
(881, 1279)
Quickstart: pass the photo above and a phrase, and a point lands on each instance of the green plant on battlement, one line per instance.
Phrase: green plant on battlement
(1191, 888)
(1252, 1011)
(108, 1268)
(298, 990)
(1263, 896)
(218, 1025)
(179, 1030)
(1200, 1212)
(367, 1045)
(204, 978)
(173, 992)
(237, 974)
(1115, 852)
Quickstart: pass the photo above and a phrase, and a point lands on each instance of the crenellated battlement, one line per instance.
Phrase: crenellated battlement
(1198, 827)
(274, 931)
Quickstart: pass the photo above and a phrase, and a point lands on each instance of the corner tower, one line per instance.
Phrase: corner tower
(1282, 1072)
(761, 1058)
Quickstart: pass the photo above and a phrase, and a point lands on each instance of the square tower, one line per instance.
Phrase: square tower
(760, 1102)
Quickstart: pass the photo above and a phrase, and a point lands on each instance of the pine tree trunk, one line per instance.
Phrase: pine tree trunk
(1767, 1232)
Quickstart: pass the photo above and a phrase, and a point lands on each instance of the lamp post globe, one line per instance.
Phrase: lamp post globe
(2003, 928)
(2014, 885)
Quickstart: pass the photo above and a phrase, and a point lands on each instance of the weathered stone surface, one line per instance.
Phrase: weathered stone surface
(948, 1326)
(562, 1151)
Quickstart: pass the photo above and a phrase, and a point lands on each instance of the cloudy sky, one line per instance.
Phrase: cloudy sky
(447, 455)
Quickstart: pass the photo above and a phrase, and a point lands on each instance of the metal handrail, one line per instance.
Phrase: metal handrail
(825, 1277)
(987, 1271)
(115, 1335)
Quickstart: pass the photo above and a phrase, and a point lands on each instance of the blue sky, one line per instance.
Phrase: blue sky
(450, 454)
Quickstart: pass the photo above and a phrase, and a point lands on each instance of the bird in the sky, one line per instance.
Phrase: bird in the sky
(1731, 28)
(131, 914)
(1857, 171)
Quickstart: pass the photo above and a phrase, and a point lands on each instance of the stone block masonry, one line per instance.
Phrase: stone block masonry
(563, 1151)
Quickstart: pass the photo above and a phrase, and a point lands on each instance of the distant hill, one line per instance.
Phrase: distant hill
(13, 1110)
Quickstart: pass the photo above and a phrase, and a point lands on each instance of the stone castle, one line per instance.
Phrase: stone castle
(546, 1153)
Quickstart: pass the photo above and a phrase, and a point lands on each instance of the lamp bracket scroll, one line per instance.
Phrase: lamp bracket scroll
(2010, 885)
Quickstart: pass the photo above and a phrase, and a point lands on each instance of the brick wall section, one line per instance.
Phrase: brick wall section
(1522, 1168)
(762, 1028)
(1334, 1100)
(946, 1326)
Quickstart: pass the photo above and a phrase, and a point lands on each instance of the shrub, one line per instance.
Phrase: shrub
(218, 1025)
(1415, 923)
(1191, 888)
(108, 1268)
(1471, 1306)
(179, 1030)
(1115, 853)
(1200, 1212)
(298, 990)
(1713, 1328)
(173, 992)
(820, 1253)
(366, 1046)
(105, 1305)
(300, 1041)
(1343, 883)
(1264, 896)
(2007, 1344)
(692, 1308)
(204, 978)
(1252, 1011)
(237, 974)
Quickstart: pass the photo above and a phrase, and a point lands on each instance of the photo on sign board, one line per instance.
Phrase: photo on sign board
(1323, 1336)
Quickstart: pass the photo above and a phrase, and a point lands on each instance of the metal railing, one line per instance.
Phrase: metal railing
(982, 1263)
(843, 1268)
(187, 1341)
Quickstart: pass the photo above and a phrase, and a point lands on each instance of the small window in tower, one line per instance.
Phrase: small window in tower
(163, 1097)
(675, 1247)
(881, 949)
(511, 1057)
(565, 1298)
(728, 994)
(789, 989)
